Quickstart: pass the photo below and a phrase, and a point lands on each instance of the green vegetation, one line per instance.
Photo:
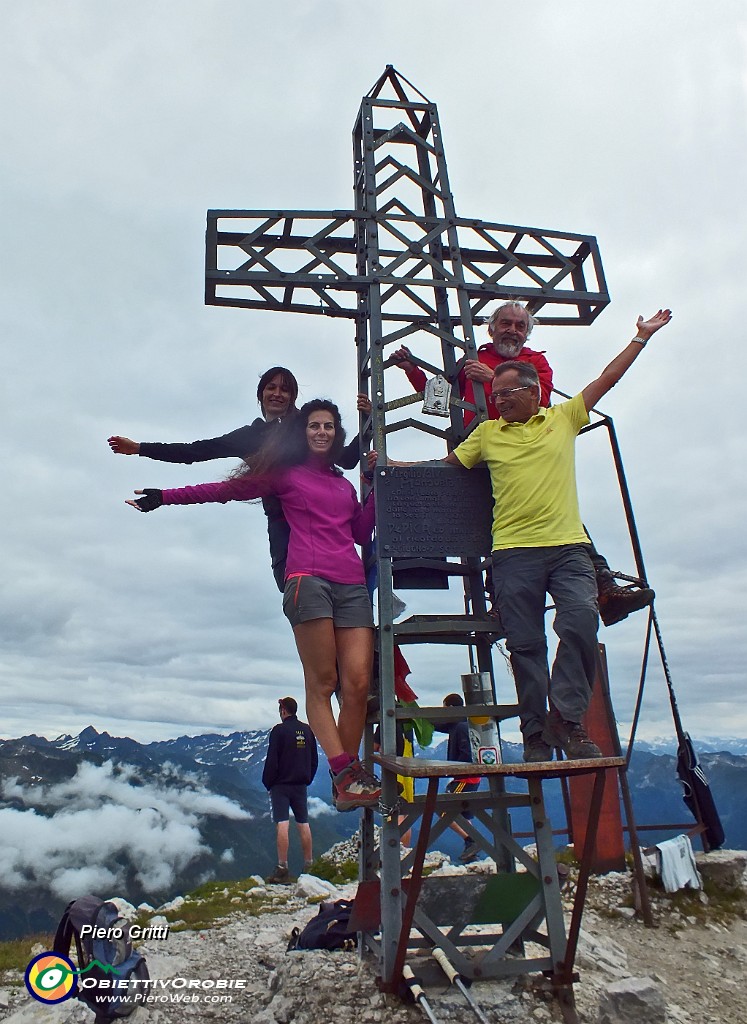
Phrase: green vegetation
(15, 956)
(338, 874)
(567, 856)
(711, 904)
(206, 907)
(214, 902)
(721, 907)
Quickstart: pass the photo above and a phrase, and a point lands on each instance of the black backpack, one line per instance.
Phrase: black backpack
(330, 929)
(697, 793)
(110, 961)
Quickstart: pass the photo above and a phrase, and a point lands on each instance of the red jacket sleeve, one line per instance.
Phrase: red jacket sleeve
(544, 372)
(417, 378)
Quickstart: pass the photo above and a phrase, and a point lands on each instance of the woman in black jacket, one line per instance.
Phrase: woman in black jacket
(277, 392)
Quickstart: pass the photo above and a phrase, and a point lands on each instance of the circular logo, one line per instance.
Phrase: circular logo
(51, 978)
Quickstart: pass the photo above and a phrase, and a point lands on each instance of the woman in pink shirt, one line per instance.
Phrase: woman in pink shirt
(325, 597)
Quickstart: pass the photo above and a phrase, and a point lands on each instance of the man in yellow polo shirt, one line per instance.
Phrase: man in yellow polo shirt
(539, 545)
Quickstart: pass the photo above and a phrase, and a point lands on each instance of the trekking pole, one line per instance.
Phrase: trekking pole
(417, 993)
(455, 978)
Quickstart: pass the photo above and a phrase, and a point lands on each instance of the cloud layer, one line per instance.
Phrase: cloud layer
(77, 836)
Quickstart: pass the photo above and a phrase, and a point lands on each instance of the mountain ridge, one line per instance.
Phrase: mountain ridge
(222, 812)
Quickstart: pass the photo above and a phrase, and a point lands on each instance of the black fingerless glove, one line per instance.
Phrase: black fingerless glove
(151, 498)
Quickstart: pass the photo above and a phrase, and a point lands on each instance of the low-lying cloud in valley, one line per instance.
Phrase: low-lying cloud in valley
(77, 836)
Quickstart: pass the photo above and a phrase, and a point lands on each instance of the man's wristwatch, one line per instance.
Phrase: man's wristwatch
(639, 341)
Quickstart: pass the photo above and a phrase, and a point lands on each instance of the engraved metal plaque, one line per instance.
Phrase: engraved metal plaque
(433, 510)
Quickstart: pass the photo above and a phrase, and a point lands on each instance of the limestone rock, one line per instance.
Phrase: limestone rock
(626, 912)
(725, 869)
(632, 1001)
(453, 869)
(125, 908)
(700, 969)
(604, 955)
(311, 886)
(174, 904)
(37, 1013)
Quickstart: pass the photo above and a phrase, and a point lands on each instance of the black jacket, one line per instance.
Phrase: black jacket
(458, 748)
(243, 441)
(292, 757)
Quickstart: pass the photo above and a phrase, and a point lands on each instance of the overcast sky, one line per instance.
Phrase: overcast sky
(123, 123)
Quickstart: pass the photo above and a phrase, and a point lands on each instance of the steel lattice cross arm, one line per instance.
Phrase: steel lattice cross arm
(304, 262)
(403, 240)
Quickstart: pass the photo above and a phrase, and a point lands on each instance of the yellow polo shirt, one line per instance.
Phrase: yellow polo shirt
(533, 474)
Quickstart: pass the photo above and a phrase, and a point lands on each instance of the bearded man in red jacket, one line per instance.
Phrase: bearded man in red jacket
(509, 328)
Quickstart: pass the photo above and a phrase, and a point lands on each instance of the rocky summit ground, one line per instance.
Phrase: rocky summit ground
(695, 961)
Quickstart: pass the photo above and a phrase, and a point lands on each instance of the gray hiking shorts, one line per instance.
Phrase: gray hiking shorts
(311, 597)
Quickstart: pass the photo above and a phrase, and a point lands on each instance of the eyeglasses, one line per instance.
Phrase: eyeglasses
(505, 392)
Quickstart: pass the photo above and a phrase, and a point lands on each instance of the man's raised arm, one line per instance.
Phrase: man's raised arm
(449, 460)
(612, 373)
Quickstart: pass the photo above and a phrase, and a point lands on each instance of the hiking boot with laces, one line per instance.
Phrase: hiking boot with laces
(536, 750)
(616, 603)
(470, 851)
(355, 787)
(571, 737)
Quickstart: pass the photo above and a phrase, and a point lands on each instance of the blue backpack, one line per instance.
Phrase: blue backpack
(110, 961)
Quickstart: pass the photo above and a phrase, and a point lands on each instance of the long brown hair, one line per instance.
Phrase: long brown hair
(286, 445)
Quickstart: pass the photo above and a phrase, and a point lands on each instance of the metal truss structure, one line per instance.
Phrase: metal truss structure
(402, 262)
(402, 265)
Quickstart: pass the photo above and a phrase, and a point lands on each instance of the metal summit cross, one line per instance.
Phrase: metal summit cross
(403, 264)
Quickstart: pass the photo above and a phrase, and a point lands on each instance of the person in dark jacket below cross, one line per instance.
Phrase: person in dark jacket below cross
(277, 392)
(459, 748)
(290, 767)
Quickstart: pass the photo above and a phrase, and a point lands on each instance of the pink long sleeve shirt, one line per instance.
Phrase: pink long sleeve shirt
(322, 509)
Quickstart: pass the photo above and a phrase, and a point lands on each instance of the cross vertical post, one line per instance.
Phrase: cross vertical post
(402, 264)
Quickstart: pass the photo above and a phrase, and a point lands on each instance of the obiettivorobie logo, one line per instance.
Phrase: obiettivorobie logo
(52, 978)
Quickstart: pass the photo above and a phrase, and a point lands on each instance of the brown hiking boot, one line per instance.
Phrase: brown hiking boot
(280, 876)
(571, 737)
(616, 603)
(355, 787)
(536, 750)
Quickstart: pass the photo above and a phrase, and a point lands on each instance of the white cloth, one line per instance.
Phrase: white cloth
(677, 865)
